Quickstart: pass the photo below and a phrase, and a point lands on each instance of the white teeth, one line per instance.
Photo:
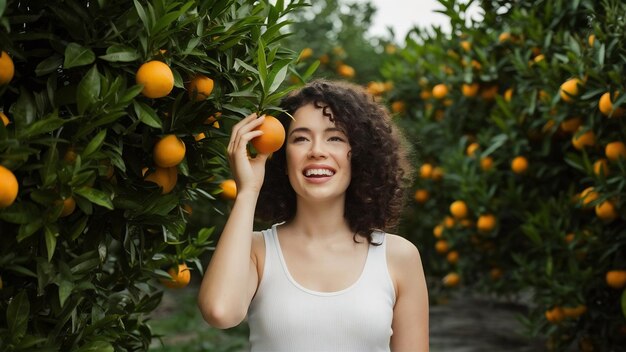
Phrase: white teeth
(318, 172)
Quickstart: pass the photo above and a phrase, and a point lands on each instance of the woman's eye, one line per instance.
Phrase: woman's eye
(299, 139)
(336, 139)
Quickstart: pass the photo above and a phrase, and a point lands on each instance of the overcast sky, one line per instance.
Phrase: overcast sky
(402, 15)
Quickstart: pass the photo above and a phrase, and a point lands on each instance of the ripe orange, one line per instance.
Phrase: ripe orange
(486, 223)
(571, 125)
(470, 90)
(305, 54)
(4, 118)
(451, 280)
(8, 187)
(591, 39)
(229, 189)
(582, 140)
(508, 95)
(467, 46)
(605, 105)
(437, 174)
(180, 276)
(486, 163)
(616, 278)
(471, 149)
(442, 246)
(489, 92)
(519, 165)
(421, 196)
(200, 87)
(504, 37)
(452, 257)
(69, 205)
(398, 107)
(7, 68)
(200, 136)
(570, 89)
(606, 211)
(601, 167)
(539, 58)
(569, 238)
(438, 231)
(615, 150)
(495, 273)
(213, 120)
(449, 222)
(169, 151)
(425, 94)
(458, 209)
(426, 171)
(157, 79)
(555, 315)
(272, 138)
(588, 195)
(166, 178)
(574, 312)
(346, 71)
(440, 91)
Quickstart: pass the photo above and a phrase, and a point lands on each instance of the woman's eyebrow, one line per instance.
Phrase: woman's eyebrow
(308, 130)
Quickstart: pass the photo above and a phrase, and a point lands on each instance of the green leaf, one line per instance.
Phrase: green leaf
(95, 196)
(65, 290)
(309, 71)
(96, 346)
(120, 53)
(17, 315)
(29, 229)
(147, 115)
(88, 90)
(77, 55)
(51, 241)
(3, 6)
(262, 63)
(204, 234)
(277, 75)
(49, 65)
(239, 62)
(142, 16)
(94, 144)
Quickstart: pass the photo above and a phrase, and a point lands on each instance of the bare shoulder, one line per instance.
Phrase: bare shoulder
(401, 250)
(403, 261)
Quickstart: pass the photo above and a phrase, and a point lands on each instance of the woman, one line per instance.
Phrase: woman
(326, 278)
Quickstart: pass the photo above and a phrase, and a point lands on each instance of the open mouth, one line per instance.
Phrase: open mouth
(318, 173)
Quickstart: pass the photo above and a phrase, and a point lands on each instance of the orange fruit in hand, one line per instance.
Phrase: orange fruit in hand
(181, 276)
(157, 79)
(200, 87)
(486, 223)
(570, 89)
(8, 187)
(4, 118)
(615, 150)
(272, 138)
(69, 205)
(229, 189)
(164, 177)
(7, 68)
(616, 278)
(458, 209)
(169, 151)
(519, 165)
(605, 105)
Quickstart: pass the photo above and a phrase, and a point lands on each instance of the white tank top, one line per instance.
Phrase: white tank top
(284, 316)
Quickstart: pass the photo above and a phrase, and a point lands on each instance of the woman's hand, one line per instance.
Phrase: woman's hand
(248, 172)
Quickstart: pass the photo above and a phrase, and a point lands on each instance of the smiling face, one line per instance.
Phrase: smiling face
(318, 162)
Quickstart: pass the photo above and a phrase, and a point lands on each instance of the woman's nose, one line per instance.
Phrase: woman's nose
(317, 150)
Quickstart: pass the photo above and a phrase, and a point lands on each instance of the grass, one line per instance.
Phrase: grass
(181, 328)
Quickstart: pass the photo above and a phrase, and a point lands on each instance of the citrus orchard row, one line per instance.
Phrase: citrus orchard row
(522, 116)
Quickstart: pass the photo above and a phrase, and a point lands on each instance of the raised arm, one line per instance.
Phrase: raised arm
(231, 278)
(410, 314)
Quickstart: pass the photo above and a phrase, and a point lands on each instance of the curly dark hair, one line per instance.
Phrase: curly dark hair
(379, 159)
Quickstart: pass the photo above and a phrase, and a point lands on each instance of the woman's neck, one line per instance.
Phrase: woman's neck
(321, 221)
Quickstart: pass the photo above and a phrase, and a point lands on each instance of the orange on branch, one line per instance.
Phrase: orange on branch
(166, 178)
(470, 90)
(458, 209)
(229, 189)
(200, 87)
(180, 276)
(169, 151)
(570, 89)
(157, 79)
(616, 278)
(582, 140)
(69, 205)
(440, 91)
(606, 211)
(8, 187)
(486, 223)
(605, 105)
(451, 280)
(421, 196)
(615, 150)
(519, 165)
(7, 68)
(4, 118)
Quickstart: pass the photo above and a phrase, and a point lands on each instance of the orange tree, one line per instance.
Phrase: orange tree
(115, 118)
(519, 135)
